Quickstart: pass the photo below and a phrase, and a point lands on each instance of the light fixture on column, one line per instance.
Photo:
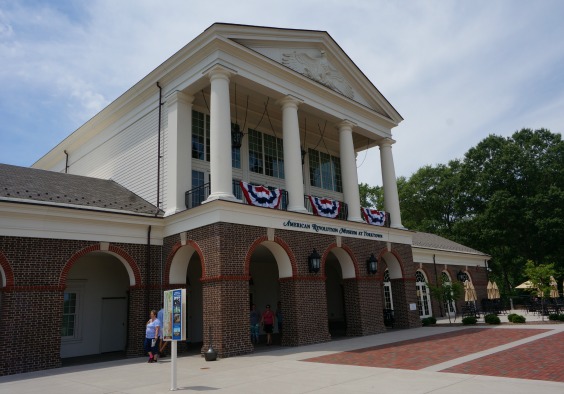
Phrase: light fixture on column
(314, 262)
(372, 264)
(461, 276)
(236, 136)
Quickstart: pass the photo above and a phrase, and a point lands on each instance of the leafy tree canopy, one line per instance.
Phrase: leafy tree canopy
(504, 198)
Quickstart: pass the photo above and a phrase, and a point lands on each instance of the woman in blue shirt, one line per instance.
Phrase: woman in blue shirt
(152, 336)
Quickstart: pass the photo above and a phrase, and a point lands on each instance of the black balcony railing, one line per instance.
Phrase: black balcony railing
(196, 196)
(199, 194)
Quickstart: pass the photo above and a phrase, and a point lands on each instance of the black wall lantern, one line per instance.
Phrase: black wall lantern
(314, 261)
(372, 264)
(236, 136)
(461, 276)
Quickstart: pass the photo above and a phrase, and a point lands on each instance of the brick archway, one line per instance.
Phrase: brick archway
(285, 259)
(128, 262)
(173, 267)
(346, 258)
(7, 273)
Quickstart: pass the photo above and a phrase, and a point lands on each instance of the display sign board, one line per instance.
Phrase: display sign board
(174, 328)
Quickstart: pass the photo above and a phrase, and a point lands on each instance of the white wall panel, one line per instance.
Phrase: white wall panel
(128, 156)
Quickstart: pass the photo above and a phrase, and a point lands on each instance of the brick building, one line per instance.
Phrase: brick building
(230, 170)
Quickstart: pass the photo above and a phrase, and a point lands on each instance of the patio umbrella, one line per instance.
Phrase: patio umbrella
(469, 292)
(473, 292)
(526, 285)
(495, 291)
(489, 290)
(553, 288)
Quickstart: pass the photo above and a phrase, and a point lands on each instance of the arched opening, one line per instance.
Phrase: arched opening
(186, 271)
(95, 306)
(268, 262)
(335, 294)
(423, 296)
(448, 307)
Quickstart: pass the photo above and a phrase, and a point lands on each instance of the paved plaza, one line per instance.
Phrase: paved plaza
(441, 359)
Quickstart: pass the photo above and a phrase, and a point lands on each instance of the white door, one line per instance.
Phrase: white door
(114, 325)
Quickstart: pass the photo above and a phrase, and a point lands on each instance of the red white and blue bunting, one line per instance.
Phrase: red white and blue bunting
(261, 196)
(373, 216)
(325, 207)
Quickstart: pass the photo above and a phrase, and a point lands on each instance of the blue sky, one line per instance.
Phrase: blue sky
(456, 71)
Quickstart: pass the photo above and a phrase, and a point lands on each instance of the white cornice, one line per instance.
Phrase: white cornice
(40, 221)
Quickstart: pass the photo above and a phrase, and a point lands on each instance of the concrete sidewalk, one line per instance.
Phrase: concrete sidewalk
(279, 370)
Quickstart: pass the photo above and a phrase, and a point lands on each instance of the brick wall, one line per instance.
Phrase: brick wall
(39, 267)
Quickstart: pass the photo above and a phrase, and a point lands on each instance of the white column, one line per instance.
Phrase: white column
(349, 176)
(220, 135)
(178, 160)
(292, 154)
(391, 198)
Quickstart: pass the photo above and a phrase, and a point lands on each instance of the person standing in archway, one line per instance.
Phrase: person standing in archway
(267, 321)
(255, 319)
(152, 336)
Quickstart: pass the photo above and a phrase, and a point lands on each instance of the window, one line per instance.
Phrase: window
(70, 309)
(423, 301)
(266, 154)
(201, 140)
(388, 301)
(325, 171)
(449, 306)
(199, 195)
(200, 136)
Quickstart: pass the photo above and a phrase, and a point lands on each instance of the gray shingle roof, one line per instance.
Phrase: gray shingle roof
(40, 186)
(432, 241)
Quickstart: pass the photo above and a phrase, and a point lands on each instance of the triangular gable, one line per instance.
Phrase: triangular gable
(315, 55)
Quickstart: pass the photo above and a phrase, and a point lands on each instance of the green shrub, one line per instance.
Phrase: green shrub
(492, 319)
(561, 317)
(553, 316)
(469, 320)
(511, 316)
(427, 321)
(518, 319)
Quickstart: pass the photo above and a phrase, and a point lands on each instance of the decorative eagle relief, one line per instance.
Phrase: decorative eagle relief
(319, 69)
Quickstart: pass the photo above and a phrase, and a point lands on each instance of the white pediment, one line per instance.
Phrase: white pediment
(314, 63)
(317, 63)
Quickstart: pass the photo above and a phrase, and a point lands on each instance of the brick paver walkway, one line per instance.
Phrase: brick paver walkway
(424, 352)
(542, 359)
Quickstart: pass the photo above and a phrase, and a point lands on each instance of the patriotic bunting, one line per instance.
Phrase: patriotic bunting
(325, 207)
(373, 216)
(261, 196)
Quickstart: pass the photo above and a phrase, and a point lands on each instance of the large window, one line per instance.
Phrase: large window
(266, 154)
(325, 171)
(450, 308)
(201, 140)
(70, 310)
(388, 300)
(198, 195)
(423, 300)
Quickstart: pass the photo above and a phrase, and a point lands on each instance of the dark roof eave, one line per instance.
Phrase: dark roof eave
(157, 215)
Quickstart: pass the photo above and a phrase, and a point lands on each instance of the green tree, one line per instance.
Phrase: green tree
(539, 276)
(371, 196)
(504, 198)
(429, 199)
(446, 293)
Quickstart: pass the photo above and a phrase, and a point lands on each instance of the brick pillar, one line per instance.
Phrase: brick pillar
(404, 293)
(306, 320)
(31, 329)
(363, 306)
(136, 322)
(226, 312)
